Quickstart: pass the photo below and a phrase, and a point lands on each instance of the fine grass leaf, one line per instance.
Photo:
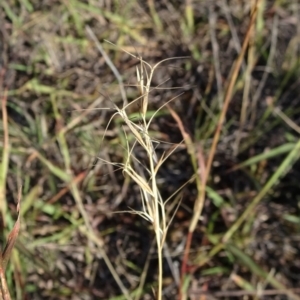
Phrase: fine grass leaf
(286, 165)
(217, 200)
(17, 268)
(55, 170)
(76, 17)
(266, 155)
(242, 283)
(53, 210)
(30, 198)
(291, 218)
(189, 15)
(5, 157)
(10, 14)
(28, 5)
(255, 269)
(215, 271)
(34, 85)
(246, 260)
(186, 284)
(61, 237)
(132, 266)
(155, 16)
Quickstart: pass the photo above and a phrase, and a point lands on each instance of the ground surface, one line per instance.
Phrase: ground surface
(57, 80)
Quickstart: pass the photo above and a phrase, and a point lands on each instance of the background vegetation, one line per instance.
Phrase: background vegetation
(77, 239)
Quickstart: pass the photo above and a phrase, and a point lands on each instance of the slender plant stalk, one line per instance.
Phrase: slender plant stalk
(5, 158)
(3, 206)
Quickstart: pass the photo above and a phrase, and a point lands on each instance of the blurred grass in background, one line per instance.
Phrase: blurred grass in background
(71, 244)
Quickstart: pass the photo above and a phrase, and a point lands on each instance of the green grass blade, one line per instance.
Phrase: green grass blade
(266, 155)
(255, 269)
(280, 172)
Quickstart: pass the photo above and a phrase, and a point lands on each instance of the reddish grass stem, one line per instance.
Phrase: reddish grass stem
(200, 200)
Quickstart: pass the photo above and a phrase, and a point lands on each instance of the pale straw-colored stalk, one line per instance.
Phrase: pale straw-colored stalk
(153, 206)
